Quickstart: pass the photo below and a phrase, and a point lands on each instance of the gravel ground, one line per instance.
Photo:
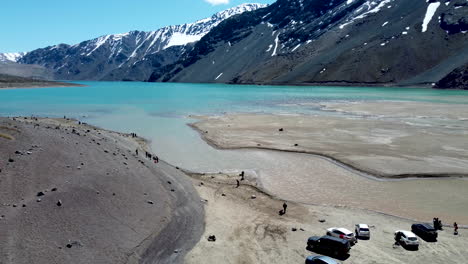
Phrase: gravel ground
(72, 193)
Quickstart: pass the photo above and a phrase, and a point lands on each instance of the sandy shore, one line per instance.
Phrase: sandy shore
(115, 206)
(382, 148)
(311, 179)
(251, 230)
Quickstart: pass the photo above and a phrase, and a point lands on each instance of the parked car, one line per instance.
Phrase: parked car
(425, 231)
(362, 230)
(320, 260)
(406, 238)
(342, 233)
(329, 245)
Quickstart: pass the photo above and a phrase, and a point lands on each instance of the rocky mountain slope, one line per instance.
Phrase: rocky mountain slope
(130, 56)
(346, 42)
(457, 79)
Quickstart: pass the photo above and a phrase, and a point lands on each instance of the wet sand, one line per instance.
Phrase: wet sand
(115, 206)
(251, 230)
(313, 179)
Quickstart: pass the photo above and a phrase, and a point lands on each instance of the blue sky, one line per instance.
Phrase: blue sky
(31, 24)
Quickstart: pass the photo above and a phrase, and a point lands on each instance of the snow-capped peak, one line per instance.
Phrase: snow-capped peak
(124, 50)
(154, 41)
(11, 57)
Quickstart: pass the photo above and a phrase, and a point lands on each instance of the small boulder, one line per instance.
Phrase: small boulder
(150, 202)
(53, 189)
(253, 196)
(39, 194)
(59, 203)
(212, 238)
(294, 229)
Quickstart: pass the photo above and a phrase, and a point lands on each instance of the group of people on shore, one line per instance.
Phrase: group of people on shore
(438, 225)
(151, 157)
(242, 175)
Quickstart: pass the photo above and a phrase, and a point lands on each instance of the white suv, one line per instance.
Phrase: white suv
(407, 238)
(362, 230)
(342, 233)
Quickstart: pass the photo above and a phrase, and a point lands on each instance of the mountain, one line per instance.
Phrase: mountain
(9, 66)
(11, 57)
(129, 56)
(26, 70)
(457, 79)
(343, 42)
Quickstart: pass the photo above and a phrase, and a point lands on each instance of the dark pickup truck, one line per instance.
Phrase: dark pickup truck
(329, 245)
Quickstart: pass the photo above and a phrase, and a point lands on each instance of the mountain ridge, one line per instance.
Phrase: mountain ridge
(300, 42)
(109, 56)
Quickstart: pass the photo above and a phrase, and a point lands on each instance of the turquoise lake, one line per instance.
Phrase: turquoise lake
(160, 111)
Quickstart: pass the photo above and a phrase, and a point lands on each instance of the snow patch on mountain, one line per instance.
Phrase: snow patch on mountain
(179, 39)
(431, 9)
(369, 7)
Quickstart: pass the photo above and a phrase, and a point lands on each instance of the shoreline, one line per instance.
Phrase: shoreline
(200, 176)
(39, 85)
(355, 171)
(122, 199)
(336, 161)
(248, 228)
(312, 177)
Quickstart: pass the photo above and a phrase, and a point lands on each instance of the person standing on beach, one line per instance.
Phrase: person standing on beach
(242, 175)
(455, 228)
(284, 207)
(237, 183)
(136, 152)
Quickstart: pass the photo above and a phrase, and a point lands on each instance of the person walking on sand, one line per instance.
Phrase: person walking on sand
(242, 175)
(455, 228)
(136, 152)
(237, 183)
(284, 207)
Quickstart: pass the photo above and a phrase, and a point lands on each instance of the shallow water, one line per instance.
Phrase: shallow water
(160, 111)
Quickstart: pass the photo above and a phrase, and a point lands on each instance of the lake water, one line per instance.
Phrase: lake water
(160, 111)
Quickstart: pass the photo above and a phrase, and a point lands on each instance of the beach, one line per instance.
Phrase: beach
(329, 167)
(251, 230)
(73, 193)
(119, 207)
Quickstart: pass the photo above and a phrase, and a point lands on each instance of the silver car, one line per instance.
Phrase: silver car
(342, 233)
(362, 230)
(406, 238)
